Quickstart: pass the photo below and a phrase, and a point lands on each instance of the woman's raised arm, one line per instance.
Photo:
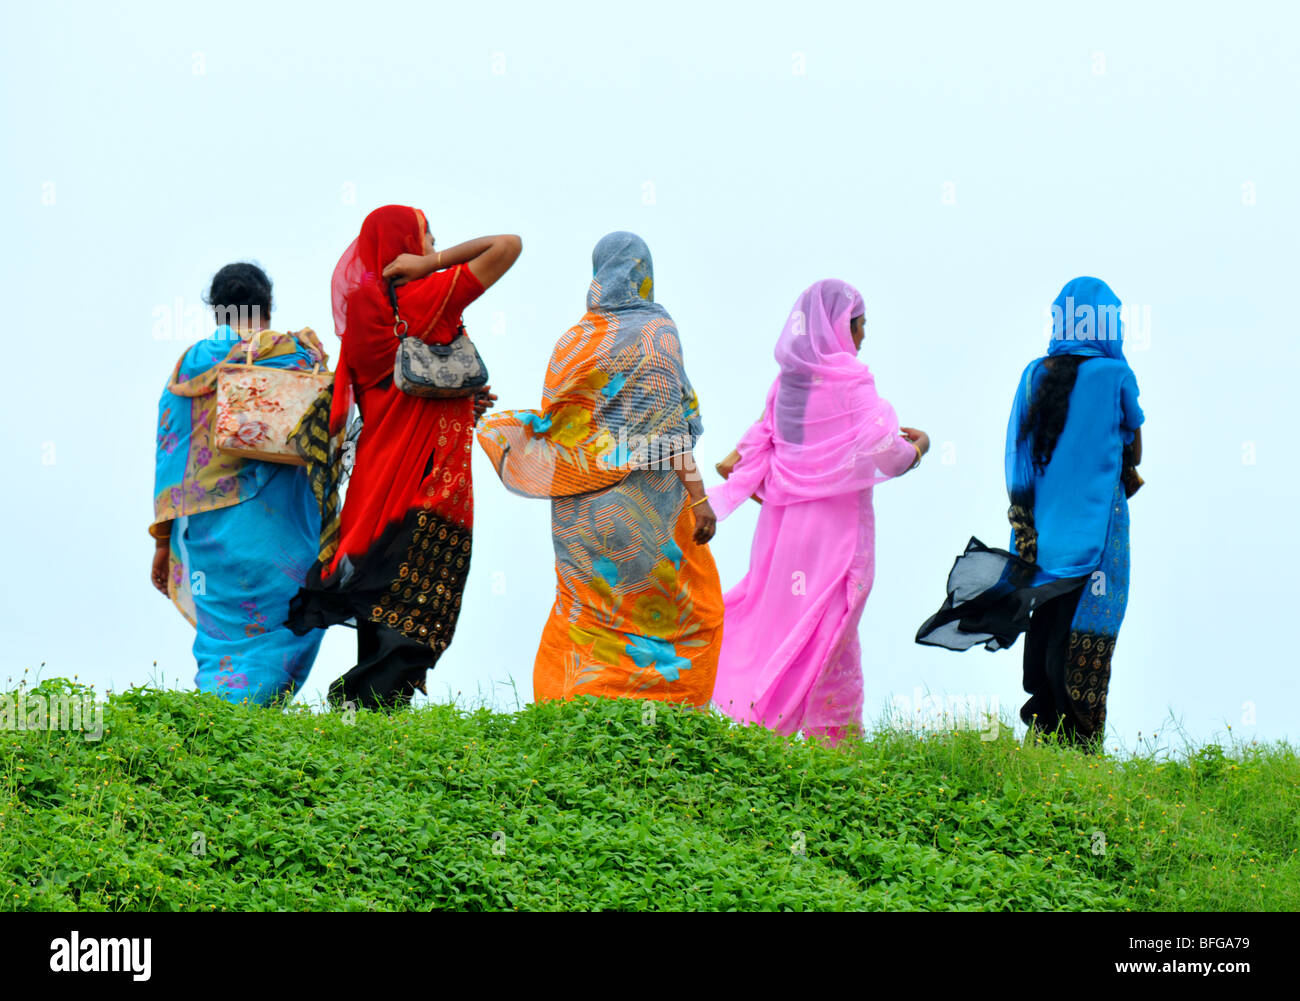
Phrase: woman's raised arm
(493, 262)
(488, 257)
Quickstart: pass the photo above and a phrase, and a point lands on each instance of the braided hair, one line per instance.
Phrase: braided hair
(1045, 416)
(1041, 426)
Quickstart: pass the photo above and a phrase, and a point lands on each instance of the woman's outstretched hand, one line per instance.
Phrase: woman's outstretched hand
(918, 438)
(484, 400)
(706, 523)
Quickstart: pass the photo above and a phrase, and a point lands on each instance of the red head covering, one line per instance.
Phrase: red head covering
(386, 233)
(414, 454)
(363, 314)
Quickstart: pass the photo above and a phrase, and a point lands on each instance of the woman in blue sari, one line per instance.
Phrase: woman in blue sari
(1073, 443)
(234, 537)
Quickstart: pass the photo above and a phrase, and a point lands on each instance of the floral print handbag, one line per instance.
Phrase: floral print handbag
(258, 408)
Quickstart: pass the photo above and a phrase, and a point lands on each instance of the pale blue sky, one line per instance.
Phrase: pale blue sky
(958, 163)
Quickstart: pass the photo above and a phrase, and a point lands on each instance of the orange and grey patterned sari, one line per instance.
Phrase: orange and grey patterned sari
(638, 606)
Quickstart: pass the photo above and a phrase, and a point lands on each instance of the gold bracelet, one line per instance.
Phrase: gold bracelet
(438, 266)
(158, 534)
(700, 501)
(918, 456)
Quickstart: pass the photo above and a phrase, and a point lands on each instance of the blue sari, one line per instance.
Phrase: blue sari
(1069, 502)
(1066, 581)
(244, 532)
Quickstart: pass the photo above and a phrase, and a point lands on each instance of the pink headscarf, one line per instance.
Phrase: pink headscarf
(824, 426)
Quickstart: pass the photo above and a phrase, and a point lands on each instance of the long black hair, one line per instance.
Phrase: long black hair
(1041, 427)
(1045, 416)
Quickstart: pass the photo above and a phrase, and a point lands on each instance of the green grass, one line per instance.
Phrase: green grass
(188, 803)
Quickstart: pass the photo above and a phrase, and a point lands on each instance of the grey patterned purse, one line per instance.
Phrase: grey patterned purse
(442, 371)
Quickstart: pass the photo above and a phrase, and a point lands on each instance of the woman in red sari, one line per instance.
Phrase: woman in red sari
(396, 558)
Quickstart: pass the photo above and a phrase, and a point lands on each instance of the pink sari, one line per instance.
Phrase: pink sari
(790, 654)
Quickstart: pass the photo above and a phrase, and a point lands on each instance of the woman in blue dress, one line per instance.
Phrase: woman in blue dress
(1073, 443)
(234, 537)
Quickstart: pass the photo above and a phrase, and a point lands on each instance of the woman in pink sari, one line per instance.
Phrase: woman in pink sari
(790, 654)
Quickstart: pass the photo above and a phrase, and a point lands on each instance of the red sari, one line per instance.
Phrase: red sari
(398, 554)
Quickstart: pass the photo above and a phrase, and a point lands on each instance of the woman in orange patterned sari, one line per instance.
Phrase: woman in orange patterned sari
(638, 606)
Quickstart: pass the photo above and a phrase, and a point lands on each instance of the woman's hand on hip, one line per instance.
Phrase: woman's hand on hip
(918, 438)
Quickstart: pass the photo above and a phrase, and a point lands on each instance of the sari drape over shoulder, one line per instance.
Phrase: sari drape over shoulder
(244, 532)
(638, 607)
(791, 658)
(398, 553)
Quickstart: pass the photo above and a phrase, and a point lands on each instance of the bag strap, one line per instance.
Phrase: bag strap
(312, 343)
(397, 316)
(201, 384)
(206, 382)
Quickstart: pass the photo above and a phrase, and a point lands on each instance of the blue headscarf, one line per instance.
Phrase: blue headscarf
(1086, 321)
(1070, 501)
